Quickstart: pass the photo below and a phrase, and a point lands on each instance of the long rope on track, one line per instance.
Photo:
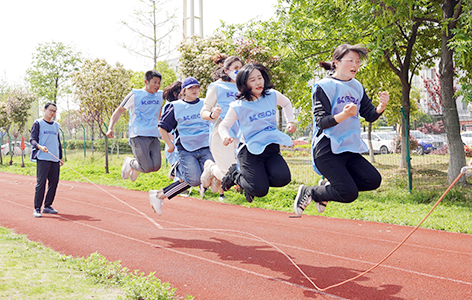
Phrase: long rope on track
(462, 172)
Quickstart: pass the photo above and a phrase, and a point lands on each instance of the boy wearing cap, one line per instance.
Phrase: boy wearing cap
(191, 140)
(144, 108)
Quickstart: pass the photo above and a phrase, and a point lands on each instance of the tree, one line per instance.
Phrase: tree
(99, 88)
(196, 57)
(70, 121)
(168, 74)
(3, 124)
(154, 31)
(17, 106)
(49, 76)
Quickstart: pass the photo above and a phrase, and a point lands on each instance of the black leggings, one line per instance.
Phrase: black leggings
(259, 172)
(348, 174)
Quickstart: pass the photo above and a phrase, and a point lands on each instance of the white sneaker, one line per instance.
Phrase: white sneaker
(202, 190)
(37, 213)
(126, 168)
(221, 198)
(133, 175)
(206, 176)
(156, 203)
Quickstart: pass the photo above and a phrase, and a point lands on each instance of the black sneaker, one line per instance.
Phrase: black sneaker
(248, 196)
(302, 200)
(228, 180)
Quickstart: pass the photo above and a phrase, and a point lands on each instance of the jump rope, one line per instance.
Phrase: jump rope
(462, 172)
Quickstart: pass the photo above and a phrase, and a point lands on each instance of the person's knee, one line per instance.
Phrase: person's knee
(258, 191)
(348, 195)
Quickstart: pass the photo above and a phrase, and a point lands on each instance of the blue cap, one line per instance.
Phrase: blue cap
(189, 82)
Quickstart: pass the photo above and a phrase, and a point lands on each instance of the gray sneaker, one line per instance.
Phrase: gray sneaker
(37, 213)
(49, 210)
(302, 200)
(321, 206)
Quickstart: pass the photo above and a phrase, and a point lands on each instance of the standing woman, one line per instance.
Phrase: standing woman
(338, 100)
(219, 95)
(192, 142)
(47, 153)
(259, 160)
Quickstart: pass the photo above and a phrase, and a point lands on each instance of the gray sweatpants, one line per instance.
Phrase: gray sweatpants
(147, 154)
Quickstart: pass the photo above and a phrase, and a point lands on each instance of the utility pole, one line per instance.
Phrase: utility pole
(190, 17)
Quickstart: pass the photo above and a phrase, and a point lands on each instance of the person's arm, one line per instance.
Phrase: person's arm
(287, 108)
(114, 118)
(34, 135)
(209, 112)
(166, 124)
(225, 126)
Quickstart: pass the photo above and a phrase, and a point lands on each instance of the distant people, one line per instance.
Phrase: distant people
(47, 153)
(144, 108)
(260, 164)
(338, 100)
(219, 95)
(191, 140)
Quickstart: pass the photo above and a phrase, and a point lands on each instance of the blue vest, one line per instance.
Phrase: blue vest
(225, 94)
(257, 122)
(345, 136)
(48, 137)
(193, 130)
(146, 108)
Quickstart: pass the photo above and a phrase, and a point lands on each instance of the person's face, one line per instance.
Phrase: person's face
(192, 93)
(234, 67)
(255, 83)
(153, 85)
(347, 66)
(50, 112)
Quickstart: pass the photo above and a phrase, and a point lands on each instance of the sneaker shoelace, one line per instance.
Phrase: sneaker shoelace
(306, 199)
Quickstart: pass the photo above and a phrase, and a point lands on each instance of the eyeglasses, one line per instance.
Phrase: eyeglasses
(357, 62)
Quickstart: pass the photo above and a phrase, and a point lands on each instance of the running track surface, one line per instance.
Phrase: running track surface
(198, 258)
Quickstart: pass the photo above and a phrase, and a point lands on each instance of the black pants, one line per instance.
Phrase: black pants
(46, 170)
(348, 174)
(259, 172)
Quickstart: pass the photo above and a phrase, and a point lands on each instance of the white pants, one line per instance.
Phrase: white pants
(224, 156)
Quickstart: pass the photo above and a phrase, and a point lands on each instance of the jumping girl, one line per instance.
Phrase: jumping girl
(192, 141)
(338, 100)
(219, 95)
(259, 160)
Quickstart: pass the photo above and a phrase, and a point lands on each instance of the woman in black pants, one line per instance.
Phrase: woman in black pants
(338, 100)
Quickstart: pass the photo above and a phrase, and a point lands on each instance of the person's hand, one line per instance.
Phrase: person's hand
(215, 113)
(170, 148)
(384, 97)
(61, 162)
(43, 148)
(227, 140)
(350, 110)
(291, 127)
(110, 133)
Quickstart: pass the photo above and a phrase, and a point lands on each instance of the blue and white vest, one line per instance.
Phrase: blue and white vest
(48, 137)
(257, 122)
(193, 130)
(147, 107)
(225, 94)
(345, 136)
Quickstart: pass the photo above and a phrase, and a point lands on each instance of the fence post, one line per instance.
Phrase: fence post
(408, 158)
(84, 138)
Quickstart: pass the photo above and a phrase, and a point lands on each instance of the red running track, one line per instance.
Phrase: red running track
(214, 250)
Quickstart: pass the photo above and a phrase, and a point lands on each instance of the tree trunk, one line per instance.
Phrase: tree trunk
(405, 123)
(446, 75)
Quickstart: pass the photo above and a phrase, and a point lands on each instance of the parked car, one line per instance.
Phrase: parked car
(382, 142)
(16, 148)
(426, 143)
(467, 138)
